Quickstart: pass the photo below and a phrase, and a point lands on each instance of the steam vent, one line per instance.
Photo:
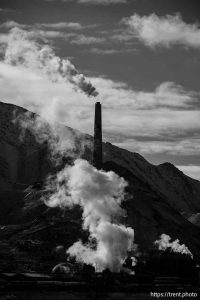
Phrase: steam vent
(97, 146)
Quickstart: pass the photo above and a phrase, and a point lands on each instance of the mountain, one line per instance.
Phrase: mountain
(159, 197)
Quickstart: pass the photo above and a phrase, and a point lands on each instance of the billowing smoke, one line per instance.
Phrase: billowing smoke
(165, 243)
(23, 50)
(99, 194)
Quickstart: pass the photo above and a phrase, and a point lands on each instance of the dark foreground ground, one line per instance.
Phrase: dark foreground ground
(162, 288)
(71, 295)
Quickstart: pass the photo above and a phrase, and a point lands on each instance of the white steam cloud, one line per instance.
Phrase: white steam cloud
(23, 50)
(99, 194)
(165, 243)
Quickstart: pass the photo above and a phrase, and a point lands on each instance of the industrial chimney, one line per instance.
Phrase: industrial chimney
(97, 144)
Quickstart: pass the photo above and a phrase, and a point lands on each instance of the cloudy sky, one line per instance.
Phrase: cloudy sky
(142, 56)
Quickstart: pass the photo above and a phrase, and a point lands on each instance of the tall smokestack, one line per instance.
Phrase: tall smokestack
(97, 150)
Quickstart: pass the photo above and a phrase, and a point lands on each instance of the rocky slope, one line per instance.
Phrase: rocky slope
(159, 197)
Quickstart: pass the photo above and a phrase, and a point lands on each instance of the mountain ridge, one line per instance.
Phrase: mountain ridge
(159, 196)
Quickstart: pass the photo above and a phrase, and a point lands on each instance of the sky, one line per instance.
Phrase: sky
(142, 56)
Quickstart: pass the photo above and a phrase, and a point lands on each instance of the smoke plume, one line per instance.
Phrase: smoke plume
(99, 194)
(22, 49)
(165, 243)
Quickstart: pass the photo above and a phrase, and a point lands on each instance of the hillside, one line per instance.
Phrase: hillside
(159, 197)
